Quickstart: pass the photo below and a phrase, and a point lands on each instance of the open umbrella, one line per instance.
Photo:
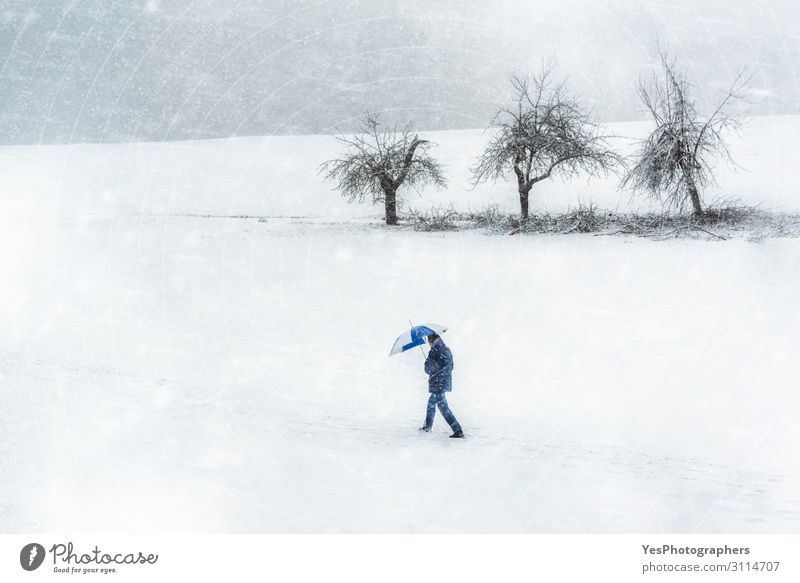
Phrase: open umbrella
(415, 337)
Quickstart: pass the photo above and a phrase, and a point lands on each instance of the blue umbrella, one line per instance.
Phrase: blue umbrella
(415, 337)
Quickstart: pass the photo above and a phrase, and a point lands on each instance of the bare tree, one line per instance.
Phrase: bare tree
(379, 161)
(545, 131)
(674, 163)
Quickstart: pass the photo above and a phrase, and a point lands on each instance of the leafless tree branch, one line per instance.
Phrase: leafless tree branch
(545, 131)
(379, 161)
(674, 163)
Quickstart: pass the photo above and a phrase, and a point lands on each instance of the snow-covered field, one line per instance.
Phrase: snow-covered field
(277, 176)
(169, 363)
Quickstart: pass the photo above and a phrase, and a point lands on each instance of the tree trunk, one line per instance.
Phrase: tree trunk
(693, 194)
(391, 207)
(523, 204)
(524, 188)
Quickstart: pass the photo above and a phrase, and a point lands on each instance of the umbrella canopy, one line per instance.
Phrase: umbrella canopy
(414, 337)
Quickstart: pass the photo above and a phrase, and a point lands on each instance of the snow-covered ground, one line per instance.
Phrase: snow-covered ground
(166, 370)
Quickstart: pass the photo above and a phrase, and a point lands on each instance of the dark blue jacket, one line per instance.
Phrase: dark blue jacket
(439, 367)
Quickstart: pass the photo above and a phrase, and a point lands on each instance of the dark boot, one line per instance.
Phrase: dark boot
(458, 433)
(425, 429)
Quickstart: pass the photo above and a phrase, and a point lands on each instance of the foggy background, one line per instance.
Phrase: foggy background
(108, 71)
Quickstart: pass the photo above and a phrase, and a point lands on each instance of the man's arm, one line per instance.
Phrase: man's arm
(446, 358)
(432, 365)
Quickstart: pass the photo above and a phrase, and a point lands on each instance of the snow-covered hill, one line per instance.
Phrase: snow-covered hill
(277, 176)
(166, 366)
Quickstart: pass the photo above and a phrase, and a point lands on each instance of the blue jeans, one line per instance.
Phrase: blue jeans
(438, 399)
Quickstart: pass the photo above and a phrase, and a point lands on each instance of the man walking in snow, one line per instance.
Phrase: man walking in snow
(439, 366)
